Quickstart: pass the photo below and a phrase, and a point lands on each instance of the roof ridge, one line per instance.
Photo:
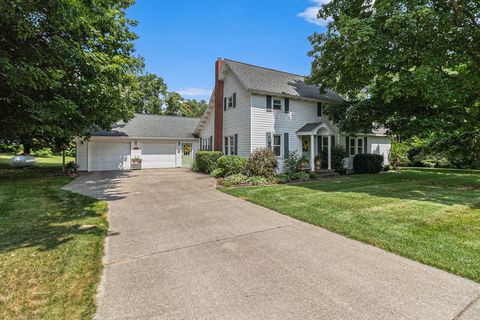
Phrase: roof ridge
(165, 115)
(271, 69)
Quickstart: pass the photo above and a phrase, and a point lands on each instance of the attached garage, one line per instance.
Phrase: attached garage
(106, 156)
(145, 142)
(158, 155)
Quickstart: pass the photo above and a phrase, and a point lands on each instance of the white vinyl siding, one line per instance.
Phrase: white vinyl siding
(209, 127)
(82, 154)
(279, 122)
(237, 120)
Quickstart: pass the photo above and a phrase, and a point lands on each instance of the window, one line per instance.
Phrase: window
(324, 143)
(352, 147)
(277, 143)
(360, 146)
(277, 104)
(229, 145)
(269, 140)
(230, 102)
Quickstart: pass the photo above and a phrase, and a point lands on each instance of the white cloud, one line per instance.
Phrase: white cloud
(310, 14)
(195, 92)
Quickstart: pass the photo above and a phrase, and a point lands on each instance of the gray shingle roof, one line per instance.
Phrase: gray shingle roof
(259, 79)
(158, 126)
(309, 127)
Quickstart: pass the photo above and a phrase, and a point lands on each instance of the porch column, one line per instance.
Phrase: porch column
(312, 152)
(329, 152)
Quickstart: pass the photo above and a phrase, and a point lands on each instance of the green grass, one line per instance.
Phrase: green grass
(49, 267)
(429, 215)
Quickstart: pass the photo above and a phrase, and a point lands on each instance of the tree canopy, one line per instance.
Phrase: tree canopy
(412, 66)
(64, 67)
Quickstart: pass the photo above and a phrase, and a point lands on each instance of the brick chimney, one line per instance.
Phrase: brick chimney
(218, 124)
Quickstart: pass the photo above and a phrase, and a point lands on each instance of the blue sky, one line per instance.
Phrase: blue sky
(180, 40)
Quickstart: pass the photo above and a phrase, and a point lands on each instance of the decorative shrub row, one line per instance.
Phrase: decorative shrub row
(367, 163)
(229, 165)
(206, 161)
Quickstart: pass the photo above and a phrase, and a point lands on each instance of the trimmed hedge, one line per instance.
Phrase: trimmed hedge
(206, 161)
(367, 163)
(231, 165)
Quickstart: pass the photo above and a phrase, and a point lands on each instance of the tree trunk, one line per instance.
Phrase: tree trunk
(26, 147)
(63, 160)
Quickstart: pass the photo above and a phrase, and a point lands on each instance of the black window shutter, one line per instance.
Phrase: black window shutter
(347, 144)
(285, 145)
(319, 109)
(236, 144)
(365, 148)
(333, 142)
(234, 99)
(269, 103)
(287, 105)
(225, 104)
(211, 143)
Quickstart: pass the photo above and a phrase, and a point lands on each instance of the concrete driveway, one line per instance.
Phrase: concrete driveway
(179, 249)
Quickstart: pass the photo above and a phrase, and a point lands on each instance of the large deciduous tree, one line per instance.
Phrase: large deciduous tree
(412, 66)
(65, 66)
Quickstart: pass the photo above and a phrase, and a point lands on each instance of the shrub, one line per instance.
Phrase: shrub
(338, 156)
(293, 176)
(207, 160)
(195, 166)
(71, 167)
(299, 176)
(367, 163)
(292, 163)
(43, 153)
(231, 165)
(262, 162)
(217, 173)
(398, 155)
(9, 148)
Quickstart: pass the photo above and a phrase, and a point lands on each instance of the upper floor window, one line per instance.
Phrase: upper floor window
(277, 103)
(230, 102)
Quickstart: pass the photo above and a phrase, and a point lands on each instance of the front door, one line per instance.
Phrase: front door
(187, 155)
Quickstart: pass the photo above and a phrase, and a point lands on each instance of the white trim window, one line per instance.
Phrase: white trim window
(277, 103)
(230, 102)
(356, 146)
(229, 145)
(277, 145)
(359, 146)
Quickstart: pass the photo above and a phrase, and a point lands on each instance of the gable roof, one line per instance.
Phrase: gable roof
(264, 80)
(153, 126)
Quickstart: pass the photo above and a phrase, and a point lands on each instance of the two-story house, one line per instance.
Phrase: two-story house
(254, 107)
(251, 107)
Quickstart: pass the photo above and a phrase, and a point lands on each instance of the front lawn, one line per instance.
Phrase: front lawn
(51, 244)
(429, 215)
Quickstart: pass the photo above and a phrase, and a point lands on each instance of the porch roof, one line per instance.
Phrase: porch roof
(312, 128)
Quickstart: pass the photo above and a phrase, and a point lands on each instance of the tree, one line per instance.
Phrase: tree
(193, 108)
(410, 66)
(148, 94)
(65, 66)
(174, 102)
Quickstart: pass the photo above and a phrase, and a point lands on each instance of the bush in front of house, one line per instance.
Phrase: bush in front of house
(206, 161)
(338, 156)
(241, 179)
(71, 168)
(367, 163)
(292, 163)
(262, 162)
(230, 165)
(293, 176)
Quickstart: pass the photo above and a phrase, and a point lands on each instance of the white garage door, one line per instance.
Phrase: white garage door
(109, 156)
(158, 155)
